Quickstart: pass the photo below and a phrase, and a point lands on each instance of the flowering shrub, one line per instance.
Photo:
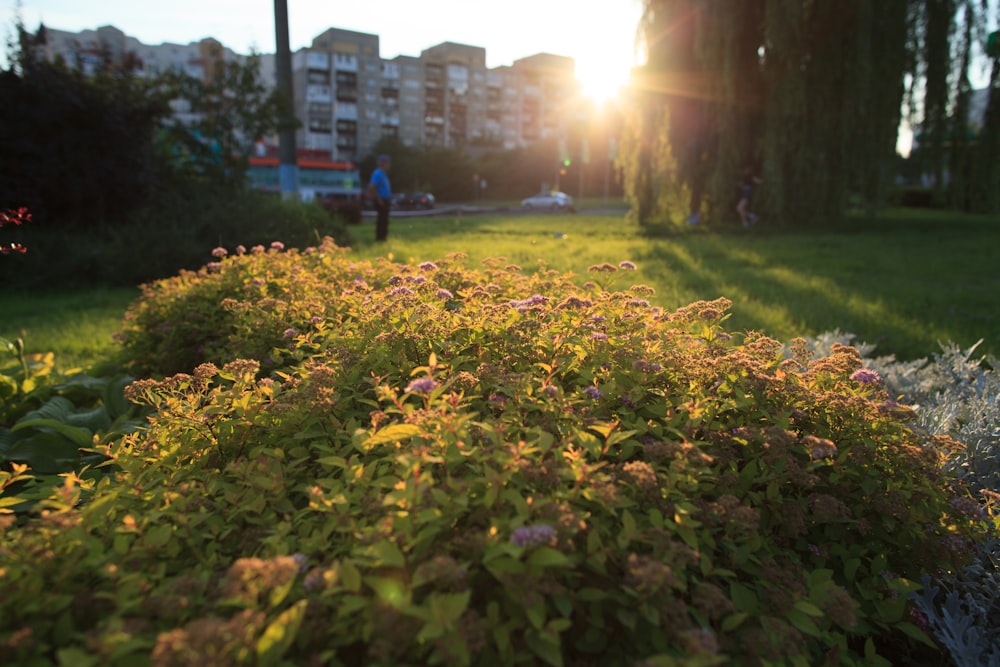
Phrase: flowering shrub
(383, 464)
(957, 396)
(13, 217)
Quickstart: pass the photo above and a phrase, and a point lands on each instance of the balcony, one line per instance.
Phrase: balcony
(345, 111)
(317, 77)
(323, 125)
(345, 94)
(316, 93)
(345, 62)
(318, 61)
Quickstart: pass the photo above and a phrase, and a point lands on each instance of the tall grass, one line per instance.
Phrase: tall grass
(904, 282)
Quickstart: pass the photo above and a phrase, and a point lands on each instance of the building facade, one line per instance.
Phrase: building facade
(348, 97)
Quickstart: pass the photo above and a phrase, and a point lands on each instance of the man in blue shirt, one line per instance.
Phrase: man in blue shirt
(381, 191)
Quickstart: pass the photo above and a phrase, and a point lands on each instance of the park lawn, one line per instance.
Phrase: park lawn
(76, 324)
(905, 282)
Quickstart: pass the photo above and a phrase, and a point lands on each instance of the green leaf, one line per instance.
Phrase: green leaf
(45, 452)
(627, 617)
(802, 622)
(391, 591)
(386, 553)
(114, 397)
(446, 608)
(808, 608)
(916, 633)
(733, 621)
(95, 419)
(393, 433)
(546, 646)
(628, 529)
(280, 634)
(57, 408)
(744, 598)
(76, 657)
(159, 535)
(544, 557)
(536, 614)
(80, 436)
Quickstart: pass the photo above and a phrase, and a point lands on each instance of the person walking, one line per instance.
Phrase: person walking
(747, 217)
(381, 191)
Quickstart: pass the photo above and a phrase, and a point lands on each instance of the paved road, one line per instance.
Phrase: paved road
(465, 209)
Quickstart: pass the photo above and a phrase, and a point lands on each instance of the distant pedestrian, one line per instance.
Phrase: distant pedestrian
(747, 217)
(381, 191)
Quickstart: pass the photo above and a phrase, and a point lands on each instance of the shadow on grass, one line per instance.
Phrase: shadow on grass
(904, 281)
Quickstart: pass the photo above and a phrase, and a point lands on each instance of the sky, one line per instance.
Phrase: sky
(598, 34)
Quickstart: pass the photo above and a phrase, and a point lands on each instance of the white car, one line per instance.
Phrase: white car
(555, 201)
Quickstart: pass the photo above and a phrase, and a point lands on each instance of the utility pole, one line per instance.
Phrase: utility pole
(288, 169)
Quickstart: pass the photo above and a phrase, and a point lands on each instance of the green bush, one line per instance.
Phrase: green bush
(170, 234)
(443, 465)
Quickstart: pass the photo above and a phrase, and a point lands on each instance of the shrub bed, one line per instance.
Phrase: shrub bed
(368, 463)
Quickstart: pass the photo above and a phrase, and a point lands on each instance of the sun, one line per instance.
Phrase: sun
(601, 78)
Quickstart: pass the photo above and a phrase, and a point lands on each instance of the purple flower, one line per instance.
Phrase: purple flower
(421, 386)
(865, 376)
(627, 265)
(639, 303)
(597, 335)
(219, 252)
(527, 536)
(289, 334)
(647, 366)
(258, 282)
(428, 266)
(277, 245)
(315, 319)
(302, 561)
(257, 249)
(550, 391)
(213, 266)
(418, 280)
(445, 294)
(241, 250)
(401, 291)
(593, 392)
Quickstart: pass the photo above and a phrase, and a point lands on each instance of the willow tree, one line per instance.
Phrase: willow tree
(667, 146)
(806, 93)
(985, 180)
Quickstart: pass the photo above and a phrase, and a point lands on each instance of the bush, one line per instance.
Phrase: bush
(167, 236)
(442, 465)
(954, 395)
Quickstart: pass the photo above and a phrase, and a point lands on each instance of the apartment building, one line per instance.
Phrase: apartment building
(348, 97)
(88, 50)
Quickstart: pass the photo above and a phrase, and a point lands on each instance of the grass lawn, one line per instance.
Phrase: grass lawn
(75, 324)
(904, 282)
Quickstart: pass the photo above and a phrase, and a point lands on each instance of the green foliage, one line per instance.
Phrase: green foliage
(809, 95)
(49, 424)
(167, 234)
(78, 149)
(232, 107)
(446, 465)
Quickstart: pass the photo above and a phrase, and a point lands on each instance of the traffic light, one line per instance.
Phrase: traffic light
(566, 162)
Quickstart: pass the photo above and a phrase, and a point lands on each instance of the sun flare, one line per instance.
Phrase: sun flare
(601, 78)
